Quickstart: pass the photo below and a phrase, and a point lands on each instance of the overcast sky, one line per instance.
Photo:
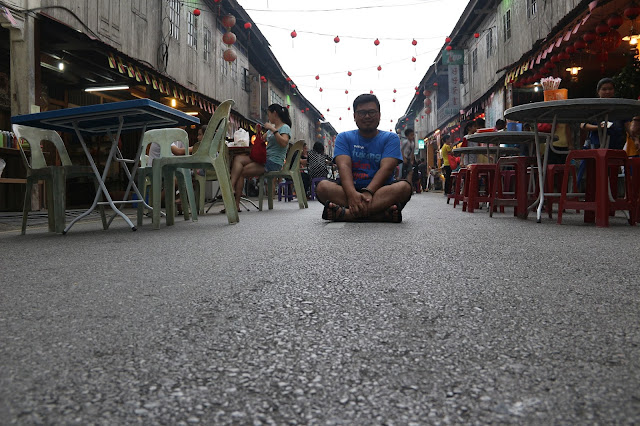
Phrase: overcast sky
(358, 23)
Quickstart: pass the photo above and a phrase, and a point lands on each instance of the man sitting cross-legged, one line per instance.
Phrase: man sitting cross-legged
(367, 159)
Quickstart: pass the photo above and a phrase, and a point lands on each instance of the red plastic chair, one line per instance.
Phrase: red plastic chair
(553, 171)
(521, 198)
(472, 196)
(602, 174)
(458, 187)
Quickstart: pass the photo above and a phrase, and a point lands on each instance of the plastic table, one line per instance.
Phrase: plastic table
(571, 111)
(109, 119)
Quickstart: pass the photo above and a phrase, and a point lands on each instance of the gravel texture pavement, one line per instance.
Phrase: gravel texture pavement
(447, 318)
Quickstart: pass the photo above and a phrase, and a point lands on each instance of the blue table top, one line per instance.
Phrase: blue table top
(103, 118)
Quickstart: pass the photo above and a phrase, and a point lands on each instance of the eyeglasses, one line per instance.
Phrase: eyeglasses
(369, 112)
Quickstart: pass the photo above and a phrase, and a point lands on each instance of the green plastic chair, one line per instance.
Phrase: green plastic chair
(211, 155)
(164, 138)
(55, 177)
(290, 170)
(209, 175)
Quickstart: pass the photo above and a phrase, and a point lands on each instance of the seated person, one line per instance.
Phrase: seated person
(318, 161)
(278, 136)
(366, 159)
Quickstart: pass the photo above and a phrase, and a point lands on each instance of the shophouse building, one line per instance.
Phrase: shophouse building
(66, 53)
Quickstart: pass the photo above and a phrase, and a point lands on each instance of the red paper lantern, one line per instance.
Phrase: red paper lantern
(339, 118)
(394, 100)
(564, 56)
(548, 65)
(196, 12)
(447, 40)
(416, 120)
(293, 86)
(349, 73)
(336, 39)
(555, 59)
(414, 42)
(317, 77)
(327, 109)
(435, 84)
(570, 50)
(536, 77)
(632, 11)
(217, 1)
(427, 101)
(416, 88)
(320, 89)
(394, 90)
(428, 110)
(589, 37)
(379, 68)
(229, 55)
(611, 41)
(449, 48)
(579, 45)
(302, 110)
(346, 92)
(288, 78)
(476, 35)
(615, 21)
(602, 29)
(247, 26)
(417, 93)
(228, 21)
(348, 108)
(376, 42)
(306, 109)
(294, 34)
(413, 59)
(427, 93)
(371, 92)
(228, 38)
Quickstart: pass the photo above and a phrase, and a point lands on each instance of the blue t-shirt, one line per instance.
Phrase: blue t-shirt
(275, 152)
(366, 154)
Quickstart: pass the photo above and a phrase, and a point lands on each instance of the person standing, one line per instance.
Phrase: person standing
(366, 160)
(408, 148)
(445, 151)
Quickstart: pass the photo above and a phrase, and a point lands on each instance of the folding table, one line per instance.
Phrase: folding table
(570, 111)
(109, 119)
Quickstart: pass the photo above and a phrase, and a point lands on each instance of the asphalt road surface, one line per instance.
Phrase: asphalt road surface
(447, 318)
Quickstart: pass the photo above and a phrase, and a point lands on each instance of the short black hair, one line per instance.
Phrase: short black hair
(409, 130)
(500, 122)
(602, 82)
(318, 147)
(445, 138)
(480, 122)
(365, 98)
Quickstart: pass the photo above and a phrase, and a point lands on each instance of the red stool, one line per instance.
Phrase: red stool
(458, 188)
(554, 170)
(472, 196)
(454, 179)
(521, 198)
(507, 177)
(602, 166)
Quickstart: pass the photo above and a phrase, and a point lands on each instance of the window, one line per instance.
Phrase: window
(224, 65)
(490, 42)
(246, 80)
(192, 30)
(474, 60)
(276, 99)
(506, 24)
(234, 70)
(532, 8)
(174, 19)
(207, 43)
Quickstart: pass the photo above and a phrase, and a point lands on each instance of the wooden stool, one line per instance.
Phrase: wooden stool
(602, 165)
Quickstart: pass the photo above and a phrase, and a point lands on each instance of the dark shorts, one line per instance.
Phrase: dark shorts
(272, 166)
